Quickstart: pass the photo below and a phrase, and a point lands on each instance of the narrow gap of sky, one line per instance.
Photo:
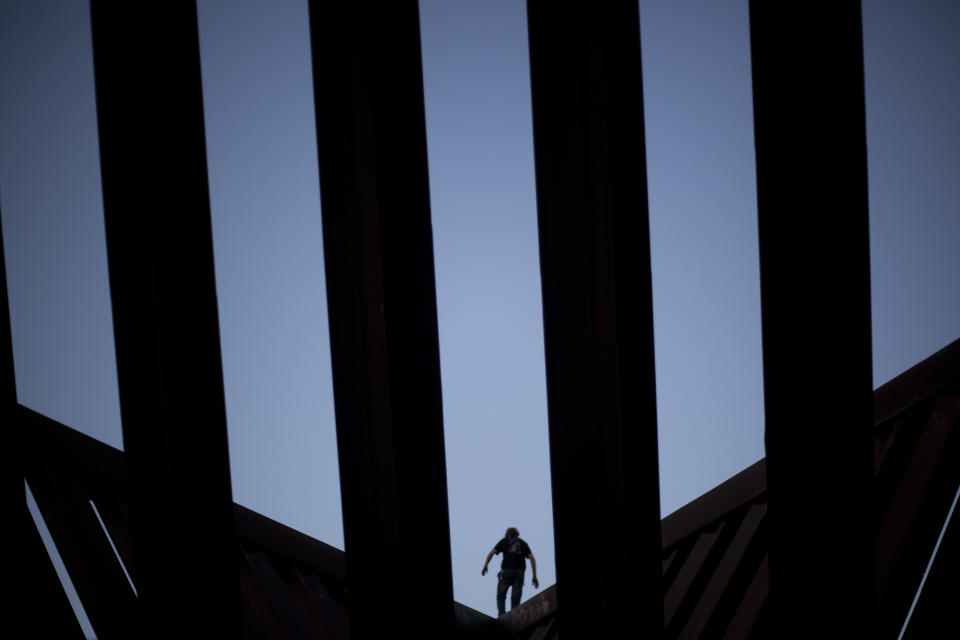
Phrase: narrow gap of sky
(480, 149)
(912, 84)
(113, 545)
(268, 250)
(698, 113)
(53, 231)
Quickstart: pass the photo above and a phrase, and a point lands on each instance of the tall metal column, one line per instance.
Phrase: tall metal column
(598, 318)
(383, 318)
(815, 293)
(160, 259)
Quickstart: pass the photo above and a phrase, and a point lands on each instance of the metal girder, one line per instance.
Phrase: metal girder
(598, 320)
(160, 259)
(378, 250)
(293, 621)
(752, 604)
(12, 462)
(90, 561)
(913, 517)
(810, 137)
(692, 566)
(935, 613)
(723, 575)
(903, 513)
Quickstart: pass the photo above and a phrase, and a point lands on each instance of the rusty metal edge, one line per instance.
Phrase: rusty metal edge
(529, 612)
(714, 504)
(918, 382)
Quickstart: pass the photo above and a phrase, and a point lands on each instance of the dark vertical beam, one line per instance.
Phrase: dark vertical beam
(14, 493)
(383, 318)
(160, 259)
(598, 318)
(810, 139)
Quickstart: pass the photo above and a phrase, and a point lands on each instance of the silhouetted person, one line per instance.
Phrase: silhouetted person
(515, 551)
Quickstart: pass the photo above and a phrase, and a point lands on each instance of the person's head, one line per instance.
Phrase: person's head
(512, 532)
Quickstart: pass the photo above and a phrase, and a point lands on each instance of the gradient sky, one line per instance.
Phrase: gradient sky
(265, 204)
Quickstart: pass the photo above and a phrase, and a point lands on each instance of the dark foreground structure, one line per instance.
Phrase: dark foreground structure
(831, 535)
(715, 559)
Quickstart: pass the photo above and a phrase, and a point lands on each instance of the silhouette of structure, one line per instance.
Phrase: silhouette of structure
(835, 543)
(714, 561)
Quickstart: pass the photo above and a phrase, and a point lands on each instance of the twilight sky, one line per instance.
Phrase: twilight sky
(267, 240)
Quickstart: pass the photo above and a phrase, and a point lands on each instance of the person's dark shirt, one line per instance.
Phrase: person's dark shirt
(514, 551)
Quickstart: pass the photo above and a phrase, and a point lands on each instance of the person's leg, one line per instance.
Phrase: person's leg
(502, 585)
(517, 591)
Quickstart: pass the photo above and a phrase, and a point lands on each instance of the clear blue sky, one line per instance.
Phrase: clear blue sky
(267, 239)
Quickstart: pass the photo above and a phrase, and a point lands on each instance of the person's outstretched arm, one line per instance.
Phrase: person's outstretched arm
(533, 565)
(483, 571)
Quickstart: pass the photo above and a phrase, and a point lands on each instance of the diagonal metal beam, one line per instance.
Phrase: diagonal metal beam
(598, 320)
(160, 259)
(935, 613)
(722, 576)
(90, 561)
(45, 607)
(752, 605)
(692, 566)
(378, 252)
(810, 137)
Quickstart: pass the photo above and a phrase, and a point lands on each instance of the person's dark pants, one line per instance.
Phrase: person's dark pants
(509, 578)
